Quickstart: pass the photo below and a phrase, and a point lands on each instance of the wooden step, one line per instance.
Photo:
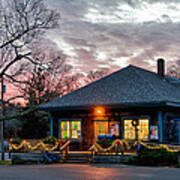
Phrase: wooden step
(77, 157)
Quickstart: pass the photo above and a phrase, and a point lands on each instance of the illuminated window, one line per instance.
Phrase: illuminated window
(75, 129)
(114, 128)
(65, 133)
(129, 130)
(70, 129)
(143, 129)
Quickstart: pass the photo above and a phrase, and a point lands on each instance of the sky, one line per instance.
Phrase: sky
(111, 34)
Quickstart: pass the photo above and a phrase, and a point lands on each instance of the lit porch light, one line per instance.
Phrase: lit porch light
(99, 111)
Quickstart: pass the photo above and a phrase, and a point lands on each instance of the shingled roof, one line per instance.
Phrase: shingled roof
(130, 86)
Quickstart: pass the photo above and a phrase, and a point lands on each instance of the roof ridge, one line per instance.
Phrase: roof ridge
(146, 80)
(105, 77)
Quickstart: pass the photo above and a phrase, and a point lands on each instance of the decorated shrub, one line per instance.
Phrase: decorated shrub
(105, 142)
(50, 140)
(15, 140)
(156, 157)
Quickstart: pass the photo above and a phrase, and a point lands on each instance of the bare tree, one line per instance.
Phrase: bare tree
(174, 70)
(22, 22)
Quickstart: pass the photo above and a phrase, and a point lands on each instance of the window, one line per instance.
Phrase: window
(75, 129)
(142, 129)
(114, 128)
(65, 130)
(129, 130)
(70, 129)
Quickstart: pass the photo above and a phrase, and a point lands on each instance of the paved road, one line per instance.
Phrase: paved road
(87, 172)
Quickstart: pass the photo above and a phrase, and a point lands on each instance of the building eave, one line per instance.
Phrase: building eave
(110, 106)
(173, 104)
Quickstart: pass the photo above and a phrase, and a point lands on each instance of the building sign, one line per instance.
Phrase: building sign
(154, 133)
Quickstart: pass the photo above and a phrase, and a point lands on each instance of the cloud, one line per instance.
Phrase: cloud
(102, 33)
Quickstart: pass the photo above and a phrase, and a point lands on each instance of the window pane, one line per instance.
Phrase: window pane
(143, 129)
(129, 130)
(65, 130)
(76, 129)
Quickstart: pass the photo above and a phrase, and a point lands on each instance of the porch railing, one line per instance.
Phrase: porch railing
(120, 147)
(65, 150)
(117, 147)
(92, 150)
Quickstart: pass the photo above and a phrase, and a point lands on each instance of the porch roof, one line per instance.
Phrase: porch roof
(129, 87)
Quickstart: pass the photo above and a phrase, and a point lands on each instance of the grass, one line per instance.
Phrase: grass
(6, 162)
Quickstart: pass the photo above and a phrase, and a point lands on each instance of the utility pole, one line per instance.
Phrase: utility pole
(2, 122)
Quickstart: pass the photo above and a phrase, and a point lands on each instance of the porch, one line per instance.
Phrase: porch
(119, 151)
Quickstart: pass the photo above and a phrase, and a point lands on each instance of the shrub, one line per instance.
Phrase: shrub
(50, 140)
(105, 142)
(154, 157)
(15, 140)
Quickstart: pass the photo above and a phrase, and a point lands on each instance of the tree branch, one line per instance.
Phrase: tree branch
(15, 80)
(17, 58)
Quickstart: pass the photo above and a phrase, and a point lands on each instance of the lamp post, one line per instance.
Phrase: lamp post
(2, 122)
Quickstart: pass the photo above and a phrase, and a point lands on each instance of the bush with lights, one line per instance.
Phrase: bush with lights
(50, 140)
(15, 140)
(47, 144)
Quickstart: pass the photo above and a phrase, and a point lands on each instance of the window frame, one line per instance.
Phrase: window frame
(70, 129)
(135, 117)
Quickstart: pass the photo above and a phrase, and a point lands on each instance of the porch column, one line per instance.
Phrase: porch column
(160, 126)
(51, 125)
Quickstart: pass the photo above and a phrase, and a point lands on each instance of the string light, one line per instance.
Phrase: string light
(121, 144)
(25, 145)
(127, 145)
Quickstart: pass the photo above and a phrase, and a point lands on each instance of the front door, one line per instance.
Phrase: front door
(100, 128)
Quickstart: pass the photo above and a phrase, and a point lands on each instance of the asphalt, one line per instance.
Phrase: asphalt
(87, 172)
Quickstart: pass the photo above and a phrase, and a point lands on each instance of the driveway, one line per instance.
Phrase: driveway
(87, 172)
